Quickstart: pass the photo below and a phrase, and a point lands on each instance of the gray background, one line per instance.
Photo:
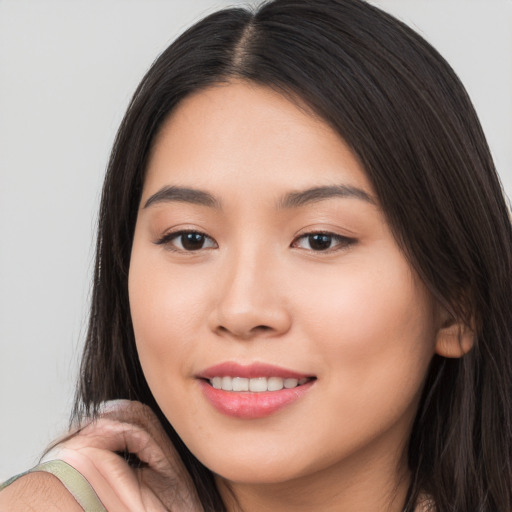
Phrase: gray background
(67, 70)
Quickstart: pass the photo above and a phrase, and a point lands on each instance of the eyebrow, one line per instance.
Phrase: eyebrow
(312, 195)
(184, 195)
(290, 200)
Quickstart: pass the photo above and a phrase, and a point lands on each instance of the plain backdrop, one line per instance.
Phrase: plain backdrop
(67, 71)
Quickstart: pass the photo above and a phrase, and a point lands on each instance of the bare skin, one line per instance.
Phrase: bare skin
(38, 492)
(161, 485)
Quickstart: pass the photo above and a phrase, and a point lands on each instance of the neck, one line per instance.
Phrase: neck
(374, 481)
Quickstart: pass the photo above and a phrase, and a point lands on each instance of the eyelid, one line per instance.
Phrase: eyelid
(344, 242)
(169, 236)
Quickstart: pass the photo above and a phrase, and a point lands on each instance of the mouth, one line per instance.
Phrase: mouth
(252, 391)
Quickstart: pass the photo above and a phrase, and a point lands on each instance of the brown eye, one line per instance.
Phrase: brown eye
(187, 241)
(192, 241)
(319, 242)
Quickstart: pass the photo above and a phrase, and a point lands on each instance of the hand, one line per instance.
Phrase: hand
(161, 483)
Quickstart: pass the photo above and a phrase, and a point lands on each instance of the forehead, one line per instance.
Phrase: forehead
(238, 131)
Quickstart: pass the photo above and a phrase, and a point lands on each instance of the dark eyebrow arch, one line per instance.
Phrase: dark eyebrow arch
(312, 195)
(184, 195)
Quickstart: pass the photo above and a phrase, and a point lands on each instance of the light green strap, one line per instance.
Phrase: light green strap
(74, 482)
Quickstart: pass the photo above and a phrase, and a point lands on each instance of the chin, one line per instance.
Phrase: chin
(259, 466)
(255, 474)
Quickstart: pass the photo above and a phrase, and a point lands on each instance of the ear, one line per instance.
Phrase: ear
(454, 338)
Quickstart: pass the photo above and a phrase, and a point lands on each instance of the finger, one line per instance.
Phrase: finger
(135, 413)
(128, 411)
(92, 453)
(139, 414)
(115, 436)
(127, 426)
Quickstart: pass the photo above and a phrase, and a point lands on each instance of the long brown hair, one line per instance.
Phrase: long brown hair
(403, 111)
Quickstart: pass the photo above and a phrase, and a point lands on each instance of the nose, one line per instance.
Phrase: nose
(250, 300)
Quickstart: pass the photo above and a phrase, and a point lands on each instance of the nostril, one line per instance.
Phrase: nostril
(245, 321)
(244, 333)
(262, 328)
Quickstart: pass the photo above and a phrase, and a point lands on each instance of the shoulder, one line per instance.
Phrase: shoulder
(37, 492)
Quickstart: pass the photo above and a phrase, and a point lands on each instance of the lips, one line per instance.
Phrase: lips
(249, 371)
(252, 391)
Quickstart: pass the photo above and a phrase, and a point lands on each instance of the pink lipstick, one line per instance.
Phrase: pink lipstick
(252, 391)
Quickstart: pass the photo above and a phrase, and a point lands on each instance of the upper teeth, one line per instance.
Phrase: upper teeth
(256, 385)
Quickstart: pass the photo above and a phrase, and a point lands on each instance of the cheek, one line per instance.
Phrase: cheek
(375, 325)
(165, 308)
(162, 299)
(378, 313)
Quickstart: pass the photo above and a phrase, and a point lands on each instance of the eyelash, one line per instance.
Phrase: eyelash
(168, 239)
(342, 242)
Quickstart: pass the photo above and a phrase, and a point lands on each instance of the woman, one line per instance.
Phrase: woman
(303, 269)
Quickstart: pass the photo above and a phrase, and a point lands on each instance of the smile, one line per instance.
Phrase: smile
(257, 384)
(252, 391)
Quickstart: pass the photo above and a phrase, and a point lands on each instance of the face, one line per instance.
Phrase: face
(280, 328)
